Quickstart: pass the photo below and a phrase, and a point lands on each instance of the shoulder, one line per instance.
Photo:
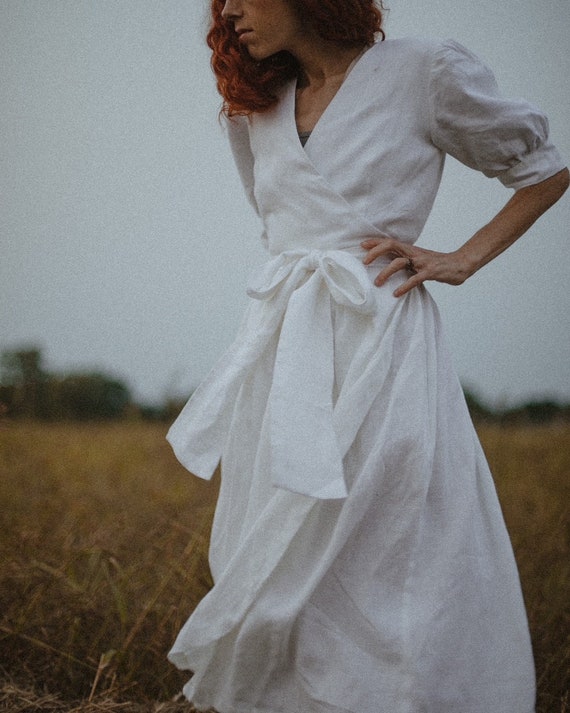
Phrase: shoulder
(409, 60)
(406, 63)
(405, 48)
(445, 65)
(423, 51)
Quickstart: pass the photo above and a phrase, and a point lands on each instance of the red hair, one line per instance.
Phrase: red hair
(247, 85)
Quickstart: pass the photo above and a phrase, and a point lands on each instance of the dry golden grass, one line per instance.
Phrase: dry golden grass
(531, 466)
(103, 548)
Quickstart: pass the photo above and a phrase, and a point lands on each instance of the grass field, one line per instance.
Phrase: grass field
(103, 551)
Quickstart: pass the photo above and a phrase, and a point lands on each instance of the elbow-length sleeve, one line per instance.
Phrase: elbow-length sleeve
(472, 121)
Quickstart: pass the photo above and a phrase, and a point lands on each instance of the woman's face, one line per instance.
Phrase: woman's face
(265, 27)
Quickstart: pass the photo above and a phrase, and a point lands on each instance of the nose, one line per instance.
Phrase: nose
(230, 10)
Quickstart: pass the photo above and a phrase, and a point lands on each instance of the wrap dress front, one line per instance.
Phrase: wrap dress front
(359, 554)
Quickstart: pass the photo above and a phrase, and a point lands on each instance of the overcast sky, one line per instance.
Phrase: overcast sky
(126, 243)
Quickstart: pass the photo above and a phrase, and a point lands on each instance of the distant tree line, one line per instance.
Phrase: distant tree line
(536, 411)
(28, 390)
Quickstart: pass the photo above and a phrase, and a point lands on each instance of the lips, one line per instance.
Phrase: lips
(243, 34)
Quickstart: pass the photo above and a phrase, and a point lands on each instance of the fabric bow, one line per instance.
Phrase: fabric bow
(305, 451)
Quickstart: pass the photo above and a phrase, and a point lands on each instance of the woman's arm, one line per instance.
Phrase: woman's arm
(520, 212)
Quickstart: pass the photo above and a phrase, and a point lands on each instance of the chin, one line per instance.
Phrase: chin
(258, 55)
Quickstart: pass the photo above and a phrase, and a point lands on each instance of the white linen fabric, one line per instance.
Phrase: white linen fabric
(359, 554)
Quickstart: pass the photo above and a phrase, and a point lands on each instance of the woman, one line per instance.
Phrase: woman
(358, 550)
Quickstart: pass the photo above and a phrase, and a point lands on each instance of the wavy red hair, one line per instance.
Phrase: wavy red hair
(247, 85)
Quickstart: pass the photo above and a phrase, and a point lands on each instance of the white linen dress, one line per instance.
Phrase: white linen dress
(359, 554)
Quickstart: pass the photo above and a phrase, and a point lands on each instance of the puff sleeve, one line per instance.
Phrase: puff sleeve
(472, 121)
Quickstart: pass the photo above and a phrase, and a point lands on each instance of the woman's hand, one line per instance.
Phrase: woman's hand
(515, 218)
(419, 263)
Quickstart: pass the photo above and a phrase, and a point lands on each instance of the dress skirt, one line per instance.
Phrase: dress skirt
(403, 596)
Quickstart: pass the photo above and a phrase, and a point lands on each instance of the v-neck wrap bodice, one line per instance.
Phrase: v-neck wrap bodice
(299, 206)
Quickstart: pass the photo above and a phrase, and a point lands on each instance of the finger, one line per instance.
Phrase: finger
(395, 266)
(413, 281)
(388, 248)
(371, 242)
(374, 251)
(382, 246)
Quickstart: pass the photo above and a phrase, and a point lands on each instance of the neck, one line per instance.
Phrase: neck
(323, 62)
